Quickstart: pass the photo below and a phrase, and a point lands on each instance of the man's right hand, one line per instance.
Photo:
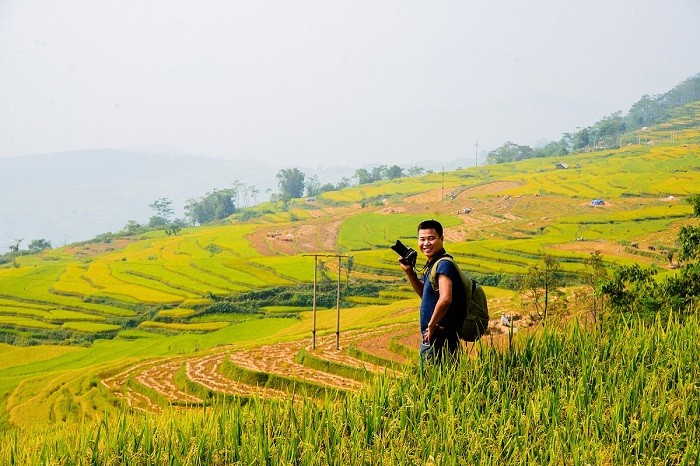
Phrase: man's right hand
(405, 267)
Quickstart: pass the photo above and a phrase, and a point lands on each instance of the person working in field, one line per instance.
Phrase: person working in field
(447, 298)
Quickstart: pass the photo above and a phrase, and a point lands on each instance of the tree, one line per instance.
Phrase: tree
(363, 176)
(689, 240)
(175, 226)
(343, 183)
(631, 289)
(326, 187)
(416, 171)
(132, 227)
(39, 245)
(553, 148)
(694, 201)
(542, 283)
(254, 193)
(350, 262)
(313, 186)
(594, 274)
(379, 173)
(291, 183)
(581, 139)
(163, 209)
(215, 205)
(394, 172)
(509, 152)
(15, 247)
(609, 129)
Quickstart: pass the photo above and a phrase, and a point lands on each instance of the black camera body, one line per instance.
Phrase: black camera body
(408, 255)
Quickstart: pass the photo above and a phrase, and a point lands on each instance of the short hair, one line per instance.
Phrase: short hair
(431, 225)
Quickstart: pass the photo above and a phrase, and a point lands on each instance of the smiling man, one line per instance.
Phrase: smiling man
(442, 311)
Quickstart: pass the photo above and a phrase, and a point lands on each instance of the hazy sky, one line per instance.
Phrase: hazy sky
(329, 82)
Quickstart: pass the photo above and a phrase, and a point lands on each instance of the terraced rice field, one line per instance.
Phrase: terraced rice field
(155, 385)
(500, 220)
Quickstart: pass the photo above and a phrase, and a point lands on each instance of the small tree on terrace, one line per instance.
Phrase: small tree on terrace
(689, 240)
(163, 210)
(542, 284)
(39, 245)
(594, 274)
(694, 201)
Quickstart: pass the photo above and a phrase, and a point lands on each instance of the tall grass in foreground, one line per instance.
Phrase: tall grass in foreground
(626, 396)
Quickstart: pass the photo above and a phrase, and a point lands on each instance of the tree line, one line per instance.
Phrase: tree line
(606, 133)
(219, 204)
(293, 183)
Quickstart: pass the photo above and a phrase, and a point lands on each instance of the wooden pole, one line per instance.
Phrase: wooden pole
(337, 327)
(313, 330)
(337, 301)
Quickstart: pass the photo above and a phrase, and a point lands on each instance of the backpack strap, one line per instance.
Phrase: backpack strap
(468, 288)
(432, 275)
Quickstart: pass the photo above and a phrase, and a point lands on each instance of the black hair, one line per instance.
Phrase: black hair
(431, 225)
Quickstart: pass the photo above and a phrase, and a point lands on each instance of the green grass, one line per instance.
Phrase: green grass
(625, 397)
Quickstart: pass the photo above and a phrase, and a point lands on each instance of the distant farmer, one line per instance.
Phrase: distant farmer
(444, 299)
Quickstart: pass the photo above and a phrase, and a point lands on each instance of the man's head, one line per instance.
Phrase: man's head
(430, 238)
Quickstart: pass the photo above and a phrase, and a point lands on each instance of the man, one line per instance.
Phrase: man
(442, 312)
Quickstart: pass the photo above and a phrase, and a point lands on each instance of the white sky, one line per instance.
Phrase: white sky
(329, 82)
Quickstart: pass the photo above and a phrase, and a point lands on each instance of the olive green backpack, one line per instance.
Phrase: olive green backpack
(477, 315)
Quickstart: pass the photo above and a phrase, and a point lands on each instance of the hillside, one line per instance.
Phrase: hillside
(153, 311)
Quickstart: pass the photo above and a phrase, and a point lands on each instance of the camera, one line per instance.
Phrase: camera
(408, 255)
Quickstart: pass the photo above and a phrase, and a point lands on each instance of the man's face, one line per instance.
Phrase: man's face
(429, 242)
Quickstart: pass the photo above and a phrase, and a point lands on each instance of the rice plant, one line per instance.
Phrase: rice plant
(625, 395)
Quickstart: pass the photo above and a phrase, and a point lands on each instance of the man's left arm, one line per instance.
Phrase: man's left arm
(442, 305)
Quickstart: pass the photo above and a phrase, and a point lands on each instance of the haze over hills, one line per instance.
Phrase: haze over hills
(68, 197)
(73, 196)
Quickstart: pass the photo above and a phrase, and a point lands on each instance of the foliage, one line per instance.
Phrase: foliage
(291, 183)
(694, 201)
(689, 240)
(632, 288)
(381, 172)
(542, 283)
(163, 210)
(215, 205)
(509, 152)
(313, 186)
(39, 245)
(593, 275)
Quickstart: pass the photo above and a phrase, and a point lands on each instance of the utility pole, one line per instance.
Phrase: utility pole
(442, 199)
(476, 154)
(337, 326)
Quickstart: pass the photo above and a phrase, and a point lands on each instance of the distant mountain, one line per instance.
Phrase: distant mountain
(73, 196)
